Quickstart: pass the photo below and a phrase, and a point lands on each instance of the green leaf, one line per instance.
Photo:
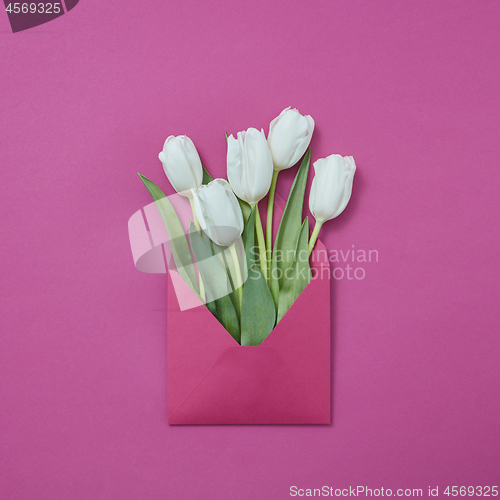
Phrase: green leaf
(177, 239)
(212, 270)
(226, 314)
(234, 294)
(215, 280)
(258, 313)
(289, 230)
(228, 271)
(248, 238)
(212, 308)
(299, 275)
(245, 209)
(206, 177)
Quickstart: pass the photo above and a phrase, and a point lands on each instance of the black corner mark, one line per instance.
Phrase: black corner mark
(24, 15)
(70, 4)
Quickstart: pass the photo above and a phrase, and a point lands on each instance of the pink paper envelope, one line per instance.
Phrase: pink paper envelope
(211, 379)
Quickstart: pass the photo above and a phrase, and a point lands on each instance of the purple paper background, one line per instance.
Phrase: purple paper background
(410, 89)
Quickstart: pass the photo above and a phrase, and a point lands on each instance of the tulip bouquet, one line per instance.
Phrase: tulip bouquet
(254, 278)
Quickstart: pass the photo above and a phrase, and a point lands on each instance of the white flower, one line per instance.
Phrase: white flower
(182, 164)
(289, 136)
(331, 187)
(218, 212)
(249, 165)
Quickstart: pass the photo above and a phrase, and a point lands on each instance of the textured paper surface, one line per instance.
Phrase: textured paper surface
(410, 89)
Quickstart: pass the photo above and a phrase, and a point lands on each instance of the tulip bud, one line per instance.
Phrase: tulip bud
(182, 164)
(218, 212)
(289, 136)
(249, 165)
(331, 187)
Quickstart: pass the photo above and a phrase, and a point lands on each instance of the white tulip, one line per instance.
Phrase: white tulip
(218, 212)
(182, 164)
(249, 165)
(289, 136)
(331, 187)
(331, 190)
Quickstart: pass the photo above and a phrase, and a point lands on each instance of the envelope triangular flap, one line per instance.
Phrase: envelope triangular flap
(195, 340)
(302, 337)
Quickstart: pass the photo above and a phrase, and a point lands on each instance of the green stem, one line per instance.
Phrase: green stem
(195, 219)
(314, 235)
(261, 241)
(270, 206)
(197, 226)
(239, 280)
(202, 289)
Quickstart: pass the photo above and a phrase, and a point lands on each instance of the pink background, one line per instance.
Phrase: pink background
(410, 89)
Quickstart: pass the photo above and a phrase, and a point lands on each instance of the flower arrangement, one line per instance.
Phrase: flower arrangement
(254, 279)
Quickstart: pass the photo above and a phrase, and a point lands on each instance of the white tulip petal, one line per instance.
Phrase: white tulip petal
(234, 166)
(331, 187)
(249, 165)
(346, 195)
(289, 137)
(218, 212)
(182, 164)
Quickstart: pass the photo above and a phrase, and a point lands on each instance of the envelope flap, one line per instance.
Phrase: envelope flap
(302, 337)
(195, 341)
(249, 385)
